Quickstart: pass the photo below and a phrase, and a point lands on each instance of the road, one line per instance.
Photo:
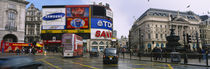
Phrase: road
(86, 62)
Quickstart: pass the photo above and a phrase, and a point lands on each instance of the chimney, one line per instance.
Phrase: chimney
(107, 5)
(100, 4)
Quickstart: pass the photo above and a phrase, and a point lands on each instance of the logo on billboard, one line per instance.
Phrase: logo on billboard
(104, 34)
(77, 22)
(101, 24)
(53, 16)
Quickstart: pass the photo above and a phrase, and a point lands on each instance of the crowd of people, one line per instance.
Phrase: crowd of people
(31, 51)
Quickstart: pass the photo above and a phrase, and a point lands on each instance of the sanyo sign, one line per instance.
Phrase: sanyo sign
(101, 24)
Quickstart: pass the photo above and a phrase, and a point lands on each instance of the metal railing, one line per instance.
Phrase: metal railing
(197, 59)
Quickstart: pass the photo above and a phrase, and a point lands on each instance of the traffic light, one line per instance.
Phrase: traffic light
(189, 38)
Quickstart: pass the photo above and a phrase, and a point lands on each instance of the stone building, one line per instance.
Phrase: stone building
(12, 20)
(32, 24)
(123, 42)
(205, 30)
(151, 28)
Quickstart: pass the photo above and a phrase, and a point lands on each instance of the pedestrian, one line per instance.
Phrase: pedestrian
(203, 54)
(18, 51)
(199, 54)
(30, 51)
(33, 51)
(23, 51)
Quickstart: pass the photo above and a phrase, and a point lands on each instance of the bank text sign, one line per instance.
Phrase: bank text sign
(97, 23)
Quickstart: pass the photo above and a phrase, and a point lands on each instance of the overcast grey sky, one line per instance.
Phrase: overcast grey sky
(124, 11)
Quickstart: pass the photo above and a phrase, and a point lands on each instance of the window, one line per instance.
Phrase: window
(101, 43)
(11, 25)
(161, 35)
(160, 26)
(157, 36)
(149, 36)
(155, 25)
(94, 43)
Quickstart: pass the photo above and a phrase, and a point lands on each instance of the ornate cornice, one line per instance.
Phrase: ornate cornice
(20, 1)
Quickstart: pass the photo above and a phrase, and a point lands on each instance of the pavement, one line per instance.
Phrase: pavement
(56, 61)
(168, 60)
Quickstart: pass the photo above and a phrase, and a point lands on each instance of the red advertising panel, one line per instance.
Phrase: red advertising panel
(77, 11)
(77, 23)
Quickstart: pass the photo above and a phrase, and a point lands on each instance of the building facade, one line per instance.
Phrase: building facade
(205, 30)
(93, 23)
(151, 28)
(12, 20)
(123, 42)
(32, 24)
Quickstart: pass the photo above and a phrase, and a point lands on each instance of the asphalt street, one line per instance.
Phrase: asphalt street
(86, 62)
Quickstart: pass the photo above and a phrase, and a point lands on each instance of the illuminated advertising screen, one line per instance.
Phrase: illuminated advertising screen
(77, 23)
(53, 18)
(97, 23)
(101, 34)
(77, 11)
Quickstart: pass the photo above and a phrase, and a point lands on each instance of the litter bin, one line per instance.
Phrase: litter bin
(175, 57)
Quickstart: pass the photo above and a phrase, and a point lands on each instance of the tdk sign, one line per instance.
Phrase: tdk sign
(53, 16)
(101, 23)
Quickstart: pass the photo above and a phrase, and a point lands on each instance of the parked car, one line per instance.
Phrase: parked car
(19, 62)
(110, 56)
(94, 53)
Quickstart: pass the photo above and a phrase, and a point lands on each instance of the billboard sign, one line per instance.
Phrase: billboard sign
(53, 27)
(77, 23)
(53, 16)
(101, 34)
(97, 23)
(109, 13)
(77, 11)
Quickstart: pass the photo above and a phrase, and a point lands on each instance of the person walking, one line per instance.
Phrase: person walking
(30, 51)
(23, 51)
(18, 51)
(33, 51)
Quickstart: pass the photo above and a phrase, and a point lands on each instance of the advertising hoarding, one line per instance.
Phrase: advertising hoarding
(53, 16)
(51, 27)
(97, 23)
(101, 34)
(66, 31)
(109, 13)
(77, 23)
(77, 11)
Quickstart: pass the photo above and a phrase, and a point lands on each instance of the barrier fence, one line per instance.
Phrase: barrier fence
(180, 58)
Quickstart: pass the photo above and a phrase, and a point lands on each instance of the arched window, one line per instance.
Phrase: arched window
(101, 43)
(94, 43)
(149, 45)
(11, 24)
(162, 45)
(157, 45)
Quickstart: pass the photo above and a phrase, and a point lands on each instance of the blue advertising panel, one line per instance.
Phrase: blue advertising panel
(98, 23)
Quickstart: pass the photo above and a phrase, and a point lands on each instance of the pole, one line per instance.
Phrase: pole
(139, 44)
(185, 55)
